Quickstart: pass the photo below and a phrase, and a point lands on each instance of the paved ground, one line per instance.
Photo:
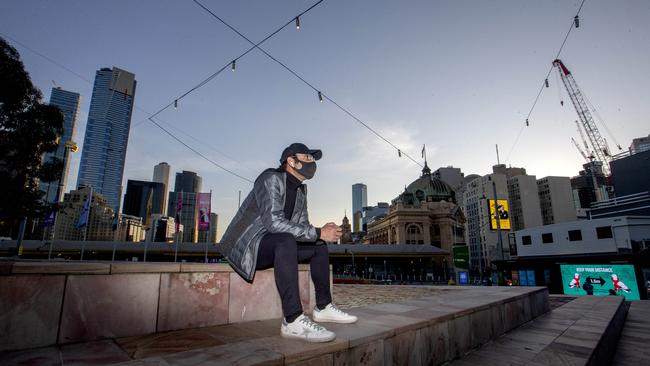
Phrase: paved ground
(351, 296)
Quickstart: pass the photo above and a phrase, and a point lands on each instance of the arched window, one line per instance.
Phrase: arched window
(414, 234)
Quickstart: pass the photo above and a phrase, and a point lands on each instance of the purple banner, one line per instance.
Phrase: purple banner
(203, 201)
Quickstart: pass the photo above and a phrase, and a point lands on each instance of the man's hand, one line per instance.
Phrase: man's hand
(330, 232)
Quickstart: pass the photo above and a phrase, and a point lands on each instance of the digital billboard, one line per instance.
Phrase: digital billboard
(461, 256)
(600, 280)
(502, 212)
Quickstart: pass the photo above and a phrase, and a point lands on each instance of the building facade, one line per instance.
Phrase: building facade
(107, 134)
(346, 229)
(525, 208)
(483, 240)
(142, 199)
(101, 218)
(426, 213)
(130, 229)
(359, 201)
(556, 200)
(640, 144)
(161, 175)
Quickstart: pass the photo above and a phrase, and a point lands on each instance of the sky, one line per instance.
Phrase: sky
(458, 76)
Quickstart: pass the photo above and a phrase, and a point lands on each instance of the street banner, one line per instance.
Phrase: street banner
(203, 201)
(49, 219)
(179, 209)
(600, 280)
(83, 219)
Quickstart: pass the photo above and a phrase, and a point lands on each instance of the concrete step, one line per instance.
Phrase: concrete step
(584, 331)
(633, 346)
(429, 330)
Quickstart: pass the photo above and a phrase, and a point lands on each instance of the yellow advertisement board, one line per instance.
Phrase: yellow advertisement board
(502, 211)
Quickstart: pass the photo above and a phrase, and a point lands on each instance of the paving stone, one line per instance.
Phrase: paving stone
(104, 352)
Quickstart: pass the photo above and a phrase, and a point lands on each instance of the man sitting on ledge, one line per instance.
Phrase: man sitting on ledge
(272, 229)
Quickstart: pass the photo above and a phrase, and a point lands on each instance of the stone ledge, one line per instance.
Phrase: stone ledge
(582, 332)
(152, 267)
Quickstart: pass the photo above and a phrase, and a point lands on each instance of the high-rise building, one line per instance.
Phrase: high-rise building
(373, 213)
(482, 237)
(161, 175)
(525, 211)
(187, 182)
(107, 134)
(186, 188)
(68, 102)
(359, 201)
(590, 185)
(556, 200)
(640, 144)
(137, 197)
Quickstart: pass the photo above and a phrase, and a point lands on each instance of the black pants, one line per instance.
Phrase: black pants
(283, 253)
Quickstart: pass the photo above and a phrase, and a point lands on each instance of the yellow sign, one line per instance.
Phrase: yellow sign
(502, 212)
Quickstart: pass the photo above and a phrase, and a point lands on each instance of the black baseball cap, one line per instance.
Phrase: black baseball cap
(298, 148)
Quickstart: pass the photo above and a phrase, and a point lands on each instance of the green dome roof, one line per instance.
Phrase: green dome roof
(427, 188)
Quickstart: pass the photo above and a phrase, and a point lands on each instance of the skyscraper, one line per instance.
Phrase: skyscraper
(187, 182)
(107, 134)
(359, 201)
(140, 195)
(186, 188)
(68, 102)
(161, 175)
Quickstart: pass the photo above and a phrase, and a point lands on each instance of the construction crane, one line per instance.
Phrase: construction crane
(600, 150)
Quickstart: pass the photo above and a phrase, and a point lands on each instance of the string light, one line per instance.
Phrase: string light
(320, 97)
(399, 153)
(575, 23)
(546, 82)
(329, 99)
(175, 103)
(527, 124)
(297, 23)
(234, 64)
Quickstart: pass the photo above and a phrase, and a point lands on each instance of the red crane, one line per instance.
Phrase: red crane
(599, 149)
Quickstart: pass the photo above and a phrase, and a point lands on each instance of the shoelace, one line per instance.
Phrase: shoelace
(338, 310)
(311, 325)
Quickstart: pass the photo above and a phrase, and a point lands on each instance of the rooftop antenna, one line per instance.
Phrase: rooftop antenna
(498, 161)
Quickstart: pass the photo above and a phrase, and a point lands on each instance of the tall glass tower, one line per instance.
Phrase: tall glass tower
(107, 134)
(68, 102)
(359, 201)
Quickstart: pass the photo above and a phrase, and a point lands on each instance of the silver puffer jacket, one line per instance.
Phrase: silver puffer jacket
(262, 212)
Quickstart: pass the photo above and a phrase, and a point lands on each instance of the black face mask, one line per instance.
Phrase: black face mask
(307, 170)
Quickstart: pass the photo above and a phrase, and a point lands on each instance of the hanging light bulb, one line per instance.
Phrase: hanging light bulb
(399, 153)
(320, 97)
(562, 103)
(576, 21)
(175, 103)
(546, 82)
(527, 124)
(298, 23)
(233, 65)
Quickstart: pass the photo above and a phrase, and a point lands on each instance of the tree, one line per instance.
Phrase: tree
(28, 129)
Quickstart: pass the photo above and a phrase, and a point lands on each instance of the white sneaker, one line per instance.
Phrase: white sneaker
(304, 328)
(333, 314)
